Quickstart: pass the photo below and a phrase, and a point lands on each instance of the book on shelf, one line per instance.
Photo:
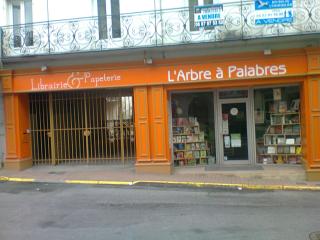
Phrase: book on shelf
(188, 154)
(177, 130)
(203, 153)
(290, 141)
(281, 140)
(292, 149)
(287, 129)
(190, 138)
(193, 146)
(271, 150)
(280, 150)
(293, 159)
(178, 139)
(286, 150)
(179, 155)
(203, 145)
(192, 162)
(184, 139)
(187, 130)
(188, 147)
(296, 129)
(292, 118)
(179, 146)
(283, 107)
(196, 129)
(197, 145)
(298, 150)
(278, 129)
(196, 154)
(174, 139)
(271, 130)
(201, 136)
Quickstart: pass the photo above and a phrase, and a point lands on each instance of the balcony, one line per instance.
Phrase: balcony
(151, 29)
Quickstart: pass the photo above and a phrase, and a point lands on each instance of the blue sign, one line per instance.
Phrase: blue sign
(272, 4)
(273, 11)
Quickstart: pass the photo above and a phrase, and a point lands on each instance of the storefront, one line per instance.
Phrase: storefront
(251, 126)
(233, 109)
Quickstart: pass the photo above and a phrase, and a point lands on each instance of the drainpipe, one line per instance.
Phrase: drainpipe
(1, 46)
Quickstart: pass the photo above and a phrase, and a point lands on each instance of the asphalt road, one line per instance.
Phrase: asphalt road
(33, 211)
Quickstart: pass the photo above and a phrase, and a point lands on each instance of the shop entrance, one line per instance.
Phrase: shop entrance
(234, 131)
(82, 127)
(234, 119)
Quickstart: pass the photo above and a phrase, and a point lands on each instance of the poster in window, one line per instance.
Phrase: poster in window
(226, 140)
(235, 140)
(277, 94)
(259, 116)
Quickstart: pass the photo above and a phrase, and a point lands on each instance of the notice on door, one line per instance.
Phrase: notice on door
(226, 141)
(225, 124)
(235, 139)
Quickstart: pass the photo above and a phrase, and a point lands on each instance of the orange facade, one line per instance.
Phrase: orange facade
(151, 85)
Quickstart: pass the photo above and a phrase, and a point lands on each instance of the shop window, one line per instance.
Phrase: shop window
(193, 129)
(277, 124)
(115, 19)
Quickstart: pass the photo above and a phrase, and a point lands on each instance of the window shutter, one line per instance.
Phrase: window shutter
(102, 19)
(192, 3)
(115, 16)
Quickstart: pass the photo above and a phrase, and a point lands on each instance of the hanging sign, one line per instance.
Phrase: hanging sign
(273, 11)
(225, 124)
(208, 15)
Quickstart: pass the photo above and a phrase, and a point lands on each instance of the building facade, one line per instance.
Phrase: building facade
(161, 84)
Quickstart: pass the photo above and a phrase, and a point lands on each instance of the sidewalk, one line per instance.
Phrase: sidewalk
(271, 177)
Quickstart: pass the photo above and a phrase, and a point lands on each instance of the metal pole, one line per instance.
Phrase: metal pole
(52, 137)
(48, 27)
(121, 131)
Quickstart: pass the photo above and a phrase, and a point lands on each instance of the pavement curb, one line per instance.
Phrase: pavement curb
(238, 186)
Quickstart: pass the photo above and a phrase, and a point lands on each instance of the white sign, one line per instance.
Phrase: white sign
(234, 111)
(208, 16)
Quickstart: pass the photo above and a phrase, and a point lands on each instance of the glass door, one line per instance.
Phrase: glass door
(234, 131)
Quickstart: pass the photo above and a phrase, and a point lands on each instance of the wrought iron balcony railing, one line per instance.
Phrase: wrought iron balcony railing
(150, 29)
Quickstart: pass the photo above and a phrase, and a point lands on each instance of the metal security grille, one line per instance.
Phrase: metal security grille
(82, 127)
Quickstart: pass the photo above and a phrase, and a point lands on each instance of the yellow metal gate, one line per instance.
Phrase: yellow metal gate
(82, 127)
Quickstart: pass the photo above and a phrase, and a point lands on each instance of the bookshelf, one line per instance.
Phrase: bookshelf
(189, 144)
(282, 140)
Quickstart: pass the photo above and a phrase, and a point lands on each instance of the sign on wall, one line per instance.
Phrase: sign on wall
(273, 11)
(208, 15)
(154, 75)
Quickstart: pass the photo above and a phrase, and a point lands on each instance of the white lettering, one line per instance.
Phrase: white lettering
(191, 75)
(231, 69)
(256, 71)
(74, 81)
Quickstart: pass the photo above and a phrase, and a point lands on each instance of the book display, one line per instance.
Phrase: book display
(189, 144)
(282, 140)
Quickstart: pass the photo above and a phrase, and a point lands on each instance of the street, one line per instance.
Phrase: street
(34, 211)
